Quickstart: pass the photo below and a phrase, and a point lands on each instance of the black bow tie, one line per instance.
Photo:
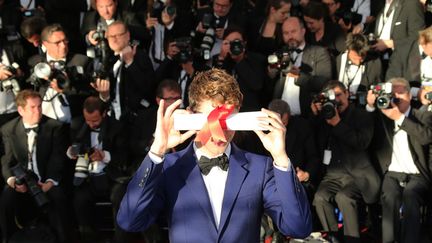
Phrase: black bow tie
(95, 130)
(205, 164)
(34, 129)
(423, 55)
(296, 50)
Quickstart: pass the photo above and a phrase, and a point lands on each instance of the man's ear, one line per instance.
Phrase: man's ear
(20, 110)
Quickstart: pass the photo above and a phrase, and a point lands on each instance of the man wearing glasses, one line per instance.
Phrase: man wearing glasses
(131, 84)
(62, 100)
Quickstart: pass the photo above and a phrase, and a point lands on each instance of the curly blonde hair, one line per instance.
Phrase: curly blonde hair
(216, 85)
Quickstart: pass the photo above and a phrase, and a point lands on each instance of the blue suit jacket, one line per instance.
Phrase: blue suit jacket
(176, 187)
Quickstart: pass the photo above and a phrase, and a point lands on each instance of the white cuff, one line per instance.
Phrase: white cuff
(283, 168)
(107, 157)
(53, 181)
(155, 158)
(104, 100)
(369, 108)
(9, 180)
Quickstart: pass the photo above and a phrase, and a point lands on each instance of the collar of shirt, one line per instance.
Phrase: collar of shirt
(30, 126)
(200, 153)
(49, 58)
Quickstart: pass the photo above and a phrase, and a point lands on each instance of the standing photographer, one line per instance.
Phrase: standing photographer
(344, 133)
(248, 68)
(33, 166)
(401, 146)
(65, 86)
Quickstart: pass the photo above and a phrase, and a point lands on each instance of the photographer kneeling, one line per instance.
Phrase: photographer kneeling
(32, 167)
(344, 133)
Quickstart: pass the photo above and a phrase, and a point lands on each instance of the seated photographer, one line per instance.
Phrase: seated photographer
(131, 84)
(100, 148)
(181, 64)
(300, 146)
(164, 25)
(212, 22)
(248, 68)
(357, 68)
(401, 145)
(95, 23)
(300, 70)
(33, 167)
(413, 61)
(64, 83)
(344, 133)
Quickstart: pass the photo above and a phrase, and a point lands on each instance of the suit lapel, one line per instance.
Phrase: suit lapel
(21, 143)
(237, 173)
(195, 183)
(397, 10)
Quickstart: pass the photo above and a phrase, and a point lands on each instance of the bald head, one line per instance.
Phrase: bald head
(293, 32)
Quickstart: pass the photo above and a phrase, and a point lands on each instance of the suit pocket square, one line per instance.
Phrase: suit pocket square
(398, 23)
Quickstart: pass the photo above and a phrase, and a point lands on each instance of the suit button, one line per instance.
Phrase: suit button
(141, 184)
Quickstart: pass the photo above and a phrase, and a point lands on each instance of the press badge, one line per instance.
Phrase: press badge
(327, 157)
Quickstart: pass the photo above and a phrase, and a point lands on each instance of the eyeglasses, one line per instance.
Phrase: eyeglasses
(57, 43)
(116, 35)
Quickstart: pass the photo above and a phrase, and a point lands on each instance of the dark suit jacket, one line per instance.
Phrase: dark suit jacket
(301, 147)
(137, 82)
(50, 148)
(315, 70)
(372, 72)
(405, 62)
(137, 29)
(418, 126)
(176, 188)
(113, 140)
(408, 19)
(348, 142)
(251, 76)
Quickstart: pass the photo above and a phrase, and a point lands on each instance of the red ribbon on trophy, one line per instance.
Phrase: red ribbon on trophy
(216, 123)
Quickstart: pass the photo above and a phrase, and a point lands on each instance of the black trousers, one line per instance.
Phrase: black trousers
(340, 189)
(13, 204)
(401, 198)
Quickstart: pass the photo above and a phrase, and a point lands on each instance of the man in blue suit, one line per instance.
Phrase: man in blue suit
(223, 203)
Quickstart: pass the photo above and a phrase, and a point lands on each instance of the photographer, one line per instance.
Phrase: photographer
(344, 133)
(105, 14)
(34, 147)
(212, 23)
(181, 64)
(164, 28)
(100, 142)
(66, 84)
(413, 61)
(401, 146)
(248, 68)
(31, 29)
(357, 68)
(301, 69)
(131, 83)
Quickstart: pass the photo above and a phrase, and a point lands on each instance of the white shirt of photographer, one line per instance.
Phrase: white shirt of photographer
(7, 98)
(53, 108)
(425, 67)
(96, 167)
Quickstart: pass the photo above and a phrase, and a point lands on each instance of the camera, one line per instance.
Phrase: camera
(428, 96)
(11, 83)
(281, 59)
(159, 6)
(329, 104)
(384, 95)
(184, 44)
(348, 17)
(207, 43)
(372, 39)
(79, 149)
(236, 47)
(55, 70)
(30, 179)
(99, 35)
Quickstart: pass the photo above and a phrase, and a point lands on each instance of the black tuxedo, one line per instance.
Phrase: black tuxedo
(51, 159)
(137, 82)
(350, 175)
(398, 189)
(109, 185)
(405, 62)
(408, 19)
(250, 74)
(80, 86)
(315, 70)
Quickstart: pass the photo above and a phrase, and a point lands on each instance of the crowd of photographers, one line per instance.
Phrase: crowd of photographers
(81, 82)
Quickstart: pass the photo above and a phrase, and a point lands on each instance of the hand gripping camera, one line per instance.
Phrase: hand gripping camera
(329, 104)
(11, 83)
(384, 95)
(81, 167)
